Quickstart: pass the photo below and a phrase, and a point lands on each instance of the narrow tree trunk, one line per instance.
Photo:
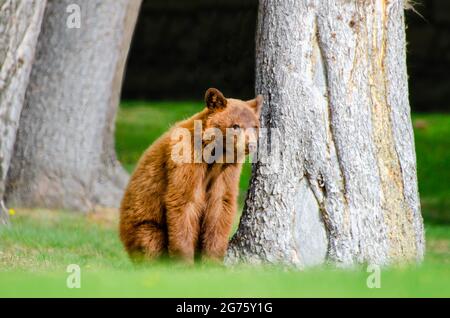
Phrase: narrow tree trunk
(65, 156)
(334, 78)
(20, 24)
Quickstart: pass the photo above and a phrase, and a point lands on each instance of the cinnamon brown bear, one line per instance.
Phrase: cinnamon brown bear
(184, 201)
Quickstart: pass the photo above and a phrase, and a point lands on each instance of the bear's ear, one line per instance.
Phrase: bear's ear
(215, 100)
(256, 104)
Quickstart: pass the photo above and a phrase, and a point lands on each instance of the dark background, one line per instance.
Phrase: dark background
(182, 47)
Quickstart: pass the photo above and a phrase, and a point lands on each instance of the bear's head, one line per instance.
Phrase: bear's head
(236, 120)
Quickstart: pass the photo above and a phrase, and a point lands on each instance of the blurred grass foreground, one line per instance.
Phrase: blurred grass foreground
(36, 250)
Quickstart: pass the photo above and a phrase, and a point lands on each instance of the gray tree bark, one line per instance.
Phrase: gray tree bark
(334, 78)
(64, 155)
(20, 24)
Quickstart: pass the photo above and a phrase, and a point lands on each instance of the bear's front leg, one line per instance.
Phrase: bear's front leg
(219, 214)
(184, 204)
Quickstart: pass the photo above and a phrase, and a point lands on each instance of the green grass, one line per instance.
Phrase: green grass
(432, 136)
(36, 249)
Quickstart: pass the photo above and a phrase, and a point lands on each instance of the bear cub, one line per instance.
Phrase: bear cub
(183, 207)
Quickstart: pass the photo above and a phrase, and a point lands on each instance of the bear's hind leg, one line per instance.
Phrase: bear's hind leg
(152, 241)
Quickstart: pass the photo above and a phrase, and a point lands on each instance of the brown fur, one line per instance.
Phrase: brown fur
(181, 208)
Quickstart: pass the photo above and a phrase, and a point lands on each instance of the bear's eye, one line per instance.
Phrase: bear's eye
(236, 127)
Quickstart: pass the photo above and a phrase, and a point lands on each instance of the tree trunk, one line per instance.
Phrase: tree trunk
(333, 74)
(20, 24)
(64, 155)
